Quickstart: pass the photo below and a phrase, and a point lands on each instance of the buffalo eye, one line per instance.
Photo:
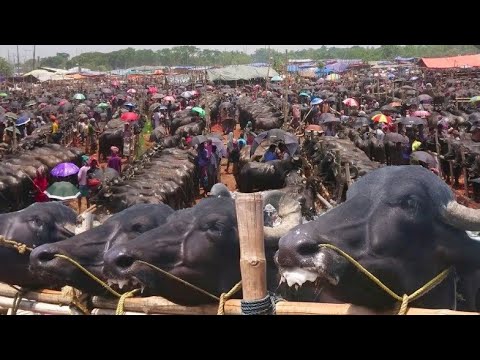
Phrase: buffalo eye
(410, 203)
(137, 228)
(215, 228)
(36, 222)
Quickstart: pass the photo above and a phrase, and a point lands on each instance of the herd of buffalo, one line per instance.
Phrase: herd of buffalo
(397, 218)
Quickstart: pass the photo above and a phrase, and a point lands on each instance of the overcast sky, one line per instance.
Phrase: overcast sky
(26, 51)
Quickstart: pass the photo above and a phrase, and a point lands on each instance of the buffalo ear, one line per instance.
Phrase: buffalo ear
(460, 251)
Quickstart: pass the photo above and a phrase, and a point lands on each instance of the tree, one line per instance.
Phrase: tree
(6, 69)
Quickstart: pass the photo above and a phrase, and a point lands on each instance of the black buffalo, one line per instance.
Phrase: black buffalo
(38, 224)
(199, 245)
(88, 247)
(402, 224)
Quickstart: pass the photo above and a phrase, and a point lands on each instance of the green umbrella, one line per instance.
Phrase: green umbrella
(16, 130)
(303, 94)
(276, 78)
(475, 99)
(62, 190)
(3, 94)
(79, 97)
(103, 105)
(11, 116)
(199, 110)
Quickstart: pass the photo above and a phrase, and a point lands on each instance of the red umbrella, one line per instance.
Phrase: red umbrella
(169, 98)
(152, 90)
(62, 102)
(129, 116)
(350, 102)
(115, 83)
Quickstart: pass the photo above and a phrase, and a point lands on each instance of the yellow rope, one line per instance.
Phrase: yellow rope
(21, 248)
(225, 296)
(180, 280)
(405, 299)
(121, 302)
(89, 274)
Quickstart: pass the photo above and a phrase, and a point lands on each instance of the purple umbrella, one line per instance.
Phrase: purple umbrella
(64, 169)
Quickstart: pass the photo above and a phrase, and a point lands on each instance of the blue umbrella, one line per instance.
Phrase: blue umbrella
(316, 101)
(129, 104)
(64, 169)
(22, 120)
(276, 78)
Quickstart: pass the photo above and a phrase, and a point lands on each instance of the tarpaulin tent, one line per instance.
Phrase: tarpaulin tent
(240, 72)
(451, 62)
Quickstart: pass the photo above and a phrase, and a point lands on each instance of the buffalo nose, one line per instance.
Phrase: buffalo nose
(42, 255)
(293, 251)
(119, 260)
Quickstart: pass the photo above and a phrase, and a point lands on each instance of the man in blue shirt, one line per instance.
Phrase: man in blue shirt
(270, 154)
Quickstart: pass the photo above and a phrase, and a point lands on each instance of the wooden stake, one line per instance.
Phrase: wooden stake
(437, 146)
(465, 174)
(249, 209)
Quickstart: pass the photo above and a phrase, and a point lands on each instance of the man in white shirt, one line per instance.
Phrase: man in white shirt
(83, 183)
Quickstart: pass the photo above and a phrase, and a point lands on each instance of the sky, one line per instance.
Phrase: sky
(26, 51)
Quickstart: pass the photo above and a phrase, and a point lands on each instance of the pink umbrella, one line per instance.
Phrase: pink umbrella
(421, 113)
(152, 90)
(169, 98)
(62, 102)
(350, 102)
(131, 91)
(129, 116)
(115, 83)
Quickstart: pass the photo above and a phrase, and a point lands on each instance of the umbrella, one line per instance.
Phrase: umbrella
(350, 102)
(332, 77)
(64, 169)
(411, 121)
(131, 91)
(475, 99)
(331, 119)
(11, 116)
(186, 94)
(326, 116)
(3, 94)
(115, 83)
(276, 78)
(275, 136)
(316, 101)
(303, 94)
(169, 98)
(407, 87)
(411, 92)
(396, 138)
(103, 105)
(424, 98)
(62, 190)
(107, 91)
(129, 116)
(158, 96)
(129, 104)
(79, 97)
(380, 118)
(120, 97)
(106, 174)
(22, 120)
(154, 106)
(424, 157)
(199, 139)
(199, 110)
(317, 128)
(11, 130)
(152, 90)
(388, 108)
(421, 113)
(360, 122)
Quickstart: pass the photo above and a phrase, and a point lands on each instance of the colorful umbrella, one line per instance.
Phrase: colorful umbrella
(11, 116)
(475, 99)
(64, 169)
(395, 104)
(22, 120)
(380, 118)
(9, 129)
(303, 94)
(106, 91)
(129, 116)
(152, 90)
(169, 98)
(103, 105)
(3, 94)
(115, 83)
(199, 110)
(350, 102)
(79, 97)
(276, 78)
(154, 106)
(421, 113)
(332, 77)
(62, 190)
(316, 101)
(158, 96)
(131, 91)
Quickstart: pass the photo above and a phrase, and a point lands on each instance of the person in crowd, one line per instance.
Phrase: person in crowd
(40, 183)
(270, 154)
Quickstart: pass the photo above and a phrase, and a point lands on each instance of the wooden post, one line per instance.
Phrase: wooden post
(285, 108)
(249, 209)
(437, 146)
(450, 162)
(347, 173)
(465, 174)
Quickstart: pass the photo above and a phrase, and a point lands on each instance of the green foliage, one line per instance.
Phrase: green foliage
(6, 69)
(189, 55)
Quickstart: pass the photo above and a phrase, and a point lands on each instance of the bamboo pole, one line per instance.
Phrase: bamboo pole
(437, 147)
(157, 305)
(249, 209)
(113, 312)
(465, 174)
(324, 201)
(46, 296)
(35, 306)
